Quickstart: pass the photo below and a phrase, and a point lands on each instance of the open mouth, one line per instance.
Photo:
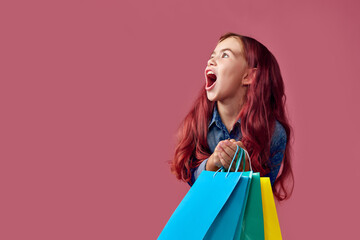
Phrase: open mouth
(210, 80)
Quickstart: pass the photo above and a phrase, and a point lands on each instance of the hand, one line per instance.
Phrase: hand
(223, 155)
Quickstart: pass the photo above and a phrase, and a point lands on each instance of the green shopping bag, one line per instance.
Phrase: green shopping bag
(253, 223)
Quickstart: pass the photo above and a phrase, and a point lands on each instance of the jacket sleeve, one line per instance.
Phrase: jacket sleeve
(195, 172)
(277, 150)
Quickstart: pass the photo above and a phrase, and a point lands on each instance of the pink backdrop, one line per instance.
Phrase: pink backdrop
(92, 93)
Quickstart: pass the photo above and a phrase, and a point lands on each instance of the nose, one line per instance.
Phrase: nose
(211, 61)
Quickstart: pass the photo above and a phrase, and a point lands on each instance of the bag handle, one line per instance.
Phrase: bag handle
(243, 159)
(241, 152)
(240, 159)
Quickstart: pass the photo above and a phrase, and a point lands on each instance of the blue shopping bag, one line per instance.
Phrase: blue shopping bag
(213, 208)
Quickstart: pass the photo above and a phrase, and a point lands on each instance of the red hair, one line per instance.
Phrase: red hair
(264, 103)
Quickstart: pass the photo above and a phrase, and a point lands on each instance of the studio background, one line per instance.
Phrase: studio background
(92, 93)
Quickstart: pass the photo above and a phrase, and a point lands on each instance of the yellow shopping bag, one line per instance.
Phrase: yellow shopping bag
(271, 222)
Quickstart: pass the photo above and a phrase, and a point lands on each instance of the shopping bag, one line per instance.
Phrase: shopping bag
(252, 227)
(228, 223)
(212, 207)
(253, 223)
(271, 222)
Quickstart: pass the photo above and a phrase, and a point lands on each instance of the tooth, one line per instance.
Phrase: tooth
(210, 72)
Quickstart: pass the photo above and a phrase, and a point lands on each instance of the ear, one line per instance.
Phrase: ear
(250, 76)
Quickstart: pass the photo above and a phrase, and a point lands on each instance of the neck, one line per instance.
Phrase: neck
(229, 112)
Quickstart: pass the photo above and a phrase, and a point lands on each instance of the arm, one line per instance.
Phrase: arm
(276, 162)
(277, 149)
(195, 172)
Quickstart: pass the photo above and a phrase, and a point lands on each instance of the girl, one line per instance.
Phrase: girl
(242, 103)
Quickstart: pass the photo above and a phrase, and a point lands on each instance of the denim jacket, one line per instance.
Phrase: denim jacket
(218, 132)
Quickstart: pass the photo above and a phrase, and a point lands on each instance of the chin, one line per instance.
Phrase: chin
(211, 97)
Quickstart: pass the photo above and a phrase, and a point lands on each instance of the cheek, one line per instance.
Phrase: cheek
(238, 72)
(234, 77)
(232, 74)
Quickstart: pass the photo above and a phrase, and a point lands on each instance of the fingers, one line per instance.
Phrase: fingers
(227, 151)
(217, 161)
(229, 148)
(226, 161)
(240, 144)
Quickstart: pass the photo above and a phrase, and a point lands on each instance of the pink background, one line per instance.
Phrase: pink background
(92, 93)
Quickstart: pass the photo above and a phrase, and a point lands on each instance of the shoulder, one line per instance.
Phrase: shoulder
(279, 137)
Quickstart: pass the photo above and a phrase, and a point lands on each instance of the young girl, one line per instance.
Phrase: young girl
(242, 103)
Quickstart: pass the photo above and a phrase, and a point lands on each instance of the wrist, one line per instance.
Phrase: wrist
(210, 166)
(207, 164)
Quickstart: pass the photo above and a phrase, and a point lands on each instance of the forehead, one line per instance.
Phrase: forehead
(231, 42)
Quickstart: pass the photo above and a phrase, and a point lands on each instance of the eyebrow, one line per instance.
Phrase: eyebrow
(224, 49)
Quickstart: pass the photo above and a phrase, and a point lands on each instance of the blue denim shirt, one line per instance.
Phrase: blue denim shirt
(218, 132)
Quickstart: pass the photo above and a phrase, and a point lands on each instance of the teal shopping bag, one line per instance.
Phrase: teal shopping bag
(212, 208)
(252, 227)
(253, 223)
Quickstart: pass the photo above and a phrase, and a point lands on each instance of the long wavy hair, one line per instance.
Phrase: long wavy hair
(264, 103)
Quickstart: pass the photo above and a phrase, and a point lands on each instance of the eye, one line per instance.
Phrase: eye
(224, 54)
